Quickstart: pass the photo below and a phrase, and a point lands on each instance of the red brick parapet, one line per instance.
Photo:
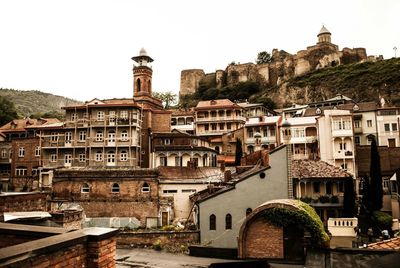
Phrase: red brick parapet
(91, 247)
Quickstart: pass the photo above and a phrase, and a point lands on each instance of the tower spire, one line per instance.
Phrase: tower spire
(142, 74)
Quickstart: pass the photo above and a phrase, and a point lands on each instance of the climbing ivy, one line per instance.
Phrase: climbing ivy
(305, 217)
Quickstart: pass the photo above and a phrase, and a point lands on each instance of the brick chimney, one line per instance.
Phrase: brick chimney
(227, 175)
(264, 158)
(222, 167)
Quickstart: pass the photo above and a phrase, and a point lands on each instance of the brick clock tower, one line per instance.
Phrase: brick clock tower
(154, 117)
(142, 74)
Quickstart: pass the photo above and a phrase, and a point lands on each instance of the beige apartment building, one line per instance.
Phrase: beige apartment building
(100, 133)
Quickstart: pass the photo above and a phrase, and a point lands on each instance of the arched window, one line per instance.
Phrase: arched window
(85, 188)
(115, 188)
(248, 211)
(124, 135)
(149, 86)
(123, 156)
(213, 222)
(228, 221)
(145, 188)
(138, 85)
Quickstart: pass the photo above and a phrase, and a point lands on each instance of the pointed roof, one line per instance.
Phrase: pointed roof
(324, 31)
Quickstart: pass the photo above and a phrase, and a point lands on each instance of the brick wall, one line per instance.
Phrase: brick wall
(127, 239)
(29, 161)
(23, 202)
(92, 247)
(264, 240)
(101, 253)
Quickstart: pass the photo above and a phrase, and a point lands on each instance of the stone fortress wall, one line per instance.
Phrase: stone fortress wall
(282, 67)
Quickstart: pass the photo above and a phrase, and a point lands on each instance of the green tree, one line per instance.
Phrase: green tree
(349, 199)
(238, 152)
(376, 189)
(263, 57)
(7, 111)
(168, 98)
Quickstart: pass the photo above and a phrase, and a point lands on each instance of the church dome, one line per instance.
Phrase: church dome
(324, 31)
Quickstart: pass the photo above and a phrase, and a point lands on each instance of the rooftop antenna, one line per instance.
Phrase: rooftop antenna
(395, 50)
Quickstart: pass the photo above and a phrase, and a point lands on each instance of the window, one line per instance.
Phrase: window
(112, 116)
(124, 115)
(54, 137)
(391, 143)
(21, 152)
(213, 222)
(272, 131)
(214, 126)
(206, 127)
(100, 116)
(166, 141)
(74, 116)
(228, 126)
(188, 190)
(357, 124)
(124, 135)
(229, 148)
(250, 133)
(248, 211)
(115, 188)
(213, 114)
(394, 126)
(82, 136)
(170, 191)
(342, 146)
(369, 123)
(82, 157)
(328, 187)
(221, 126)
(67, 159)
(99, 136)
(357, 140)
(344, 166)
(99, 156)
(85, 188)
(35, 171)
(68, 137)
(316, 186)
(145, 188)
(387, 127)
(341, 187)
(21, 171)
(228, 222)
(3, 153)
(178, 161)
(163, 161)
(123, 156)
(53, 158)
(111, 157)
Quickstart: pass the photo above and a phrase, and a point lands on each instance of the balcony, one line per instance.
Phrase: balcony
(324, 201)
(342, 133)
(221, 118)
(342, 154)
(358, 130)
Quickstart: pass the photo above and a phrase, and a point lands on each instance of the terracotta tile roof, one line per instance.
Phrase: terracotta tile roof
(228, 159)
(393, 244)
(216, 104)
(19, 124)
(303, 169)
(187, 112)
(189, 173)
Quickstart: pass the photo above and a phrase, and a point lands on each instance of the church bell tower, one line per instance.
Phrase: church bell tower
(142, 74)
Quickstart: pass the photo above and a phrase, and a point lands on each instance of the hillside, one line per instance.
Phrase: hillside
(34, 102)
(366, 81)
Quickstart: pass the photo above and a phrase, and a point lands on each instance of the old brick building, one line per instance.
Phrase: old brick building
(126, 193)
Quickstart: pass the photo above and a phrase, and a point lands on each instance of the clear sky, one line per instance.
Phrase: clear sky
(82, 49)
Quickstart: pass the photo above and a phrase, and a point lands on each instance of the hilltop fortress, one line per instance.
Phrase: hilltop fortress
(282, 66)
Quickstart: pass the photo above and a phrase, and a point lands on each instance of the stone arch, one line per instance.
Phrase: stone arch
(259, 238)
(138, 85)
